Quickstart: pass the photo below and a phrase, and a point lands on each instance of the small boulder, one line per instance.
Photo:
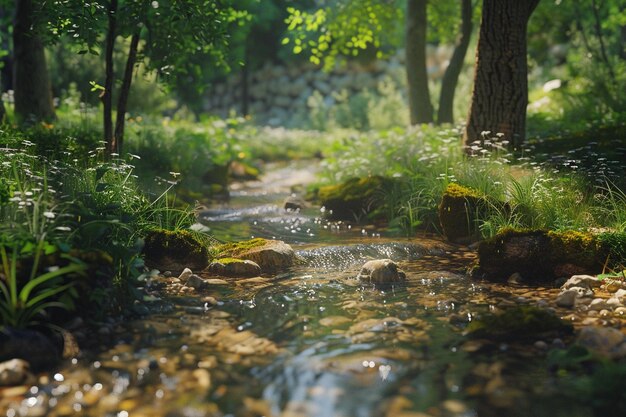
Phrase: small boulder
(381, 272)
(567, 298)
(355, 198)
(236, 268)
(184, 276)
(271, 255)
(294, 203)
(605, 341)
(458, 211)
(194, 281)
(538, 255)
(583, 281)
(174, 250)
(15, 372)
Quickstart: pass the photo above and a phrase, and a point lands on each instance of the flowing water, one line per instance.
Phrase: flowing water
(311, 341)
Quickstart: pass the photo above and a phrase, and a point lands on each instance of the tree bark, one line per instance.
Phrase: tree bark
(450, 79)
(420, 107)
(500, 95)
(122, 102)
(107, 94)
(31, 82)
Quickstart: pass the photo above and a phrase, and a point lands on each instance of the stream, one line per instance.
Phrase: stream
(311, 342)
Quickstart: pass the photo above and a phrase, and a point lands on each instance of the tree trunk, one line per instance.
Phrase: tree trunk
(3, 112)
(420, 108)
(500, 95)
(33, 94)
(451, 76)
(122, 102)
(245, 82)
(107, 94)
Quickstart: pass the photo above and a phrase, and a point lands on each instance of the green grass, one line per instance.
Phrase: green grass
(538, 193)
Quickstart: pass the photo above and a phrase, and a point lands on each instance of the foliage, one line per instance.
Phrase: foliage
(22, 304)
(523, 322)
(425, 160)
(342, 28)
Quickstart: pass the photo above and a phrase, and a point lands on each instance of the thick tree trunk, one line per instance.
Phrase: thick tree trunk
(500, 95)
(33, 94)
(445, 113)
(420, 108)
(122, 102)
(107, 94)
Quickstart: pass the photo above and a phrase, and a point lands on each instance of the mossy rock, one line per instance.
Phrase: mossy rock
(235, 249)
(460, 209)
(271, 255)
(174, 250)
(519, 323)
(355, 198)
(235, 268)
(540, 256)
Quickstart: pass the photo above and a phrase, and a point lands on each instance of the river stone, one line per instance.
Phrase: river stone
(274, 256)
(598, 304)
(620, 295)
(605, 341)
(380, 272)
(567, 298)
(184, 276)
(15, 372)
(194, 281)
(38, 349)
(294, 203)
(230, 267)
(584, 281)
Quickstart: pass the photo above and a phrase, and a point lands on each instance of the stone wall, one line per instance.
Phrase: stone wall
(280, 94)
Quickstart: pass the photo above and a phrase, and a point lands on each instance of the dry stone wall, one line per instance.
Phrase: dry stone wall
(280, 95)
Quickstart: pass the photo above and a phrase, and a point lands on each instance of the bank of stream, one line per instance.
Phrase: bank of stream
(312, 341)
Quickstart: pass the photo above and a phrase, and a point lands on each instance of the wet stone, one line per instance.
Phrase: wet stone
(235, 268)
(194, 281)
(381, 272)
(185, 275)
(15, 372)
(605, 341)
(567, 298)
(584, 281)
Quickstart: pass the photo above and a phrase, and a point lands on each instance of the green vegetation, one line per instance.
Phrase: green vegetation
(524, 322)
(232, 250)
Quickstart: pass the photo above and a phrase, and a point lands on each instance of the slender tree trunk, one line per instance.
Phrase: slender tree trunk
(420, 108)
(245, 82)
(500, 95)
(3, 112)
(107, 94)
(122, 102)
(31, 82)
(445, 113)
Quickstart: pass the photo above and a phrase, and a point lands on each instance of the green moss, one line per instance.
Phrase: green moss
(540, 255)
(523, 322)
(232, 250)
(573, 246)
(356, 197)
(227, 261)
(457, 190)
(459, 212)
(179, 244)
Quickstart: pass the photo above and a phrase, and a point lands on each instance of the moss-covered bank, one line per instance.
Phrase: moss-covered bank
(543, 256)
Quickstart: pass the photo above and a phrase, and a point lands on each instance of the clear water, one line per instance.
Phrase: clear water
(311, 341)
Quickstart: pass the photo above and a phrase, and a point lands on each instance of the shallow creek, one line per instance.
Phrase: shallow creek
(311, 341)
